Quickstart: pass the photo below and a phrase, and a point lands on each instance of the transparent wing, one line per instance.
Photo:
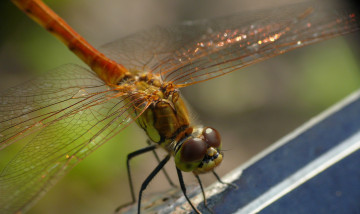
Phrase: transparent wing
(197, 51)
(68, 113)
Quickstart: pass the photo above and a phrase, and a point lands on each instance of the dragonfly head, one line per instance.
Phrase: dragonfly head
(200, 152)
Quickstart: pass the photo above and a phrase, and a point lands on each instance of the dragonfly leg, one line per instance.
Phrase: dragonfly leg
(129, 157)
(203, 193)
(164, 170)
(183, 188)
(219, 179)
(150, 177)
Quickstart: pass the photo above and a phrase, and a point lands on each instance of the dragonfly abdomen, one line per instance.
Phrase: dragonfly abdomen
(108, 70)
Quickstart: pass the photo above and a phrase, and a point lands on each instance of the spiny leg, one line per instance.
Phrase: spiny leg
(203, 192)
(164, 170)
(129, 157)
(202, 188)
(183, 188)
(219, 179)
(150, 177)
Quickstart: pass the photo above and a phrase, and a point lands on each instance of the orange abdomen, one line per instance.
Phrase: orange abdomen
(108, 70)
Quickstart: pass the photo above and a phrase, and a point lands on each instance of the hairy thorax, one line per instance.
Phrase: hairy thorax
(166, 118)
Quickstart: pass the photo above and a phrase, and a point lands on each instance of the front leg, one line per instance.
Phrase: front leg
(183, 188)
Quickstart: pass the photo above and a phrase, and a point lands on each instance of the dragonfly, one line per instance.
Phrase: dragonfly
(70, 112)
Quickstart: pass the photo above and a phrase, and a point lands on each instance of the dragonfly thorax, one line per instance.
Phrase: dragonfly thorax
(166, 121)
(164, 118)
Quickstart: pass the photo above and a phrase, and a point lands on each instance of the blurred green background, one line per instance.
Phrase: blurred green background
(251, 108)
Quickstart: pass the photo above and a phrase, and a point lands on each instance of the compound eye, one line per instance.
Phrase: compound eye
(212, 137)
(193, 149)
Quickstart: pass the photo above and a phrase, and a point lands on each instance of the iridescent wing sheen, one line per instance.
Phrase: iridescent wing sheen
(197, 51)
(67, 113)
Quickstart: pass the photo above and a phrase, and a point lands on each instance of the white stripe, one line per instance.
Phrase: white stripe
(323, 162)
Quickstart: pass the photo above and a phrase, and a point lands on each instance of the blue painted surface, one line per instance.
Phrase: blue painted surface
(335, 190)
